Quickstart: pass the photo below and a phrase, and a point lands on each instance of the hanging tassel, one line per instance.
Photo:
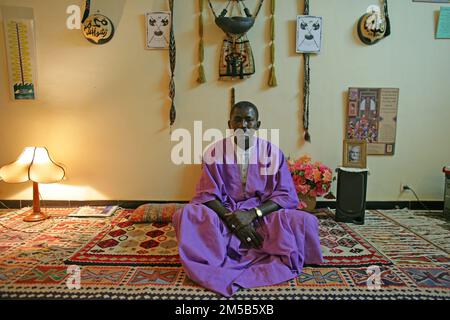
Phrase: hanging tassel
(307, 136)
(273, 78)
(201, 74)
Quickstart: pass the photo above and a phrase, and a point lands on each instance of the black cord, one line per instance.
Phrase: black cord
(247, 12)
(34, 225)
(212, 9)
(423, 204)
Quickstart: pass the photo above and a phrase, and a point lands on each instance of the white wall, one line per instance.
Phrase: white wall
(103, 110)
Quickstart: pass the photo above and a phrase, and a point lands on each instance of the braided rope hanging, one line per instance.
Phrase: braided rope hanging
(201, 49)
(172, 55)
(233, 97)
(272, 77)
(306, 81)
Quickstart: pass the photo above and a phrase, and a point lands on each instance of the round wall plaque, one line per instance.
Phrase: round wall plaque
(98, 29)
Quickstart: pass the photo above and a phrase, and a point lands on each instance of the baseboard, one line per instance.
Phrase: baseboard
(132, 204)
(128, 204)
(387, 205)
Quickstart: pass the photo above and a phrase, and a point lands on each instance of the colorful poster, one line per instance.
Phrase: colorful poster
(20, 52)
(372, 116)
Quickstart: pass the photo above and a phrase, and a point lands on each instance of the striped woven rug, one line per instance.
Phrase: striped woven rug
(410, 263)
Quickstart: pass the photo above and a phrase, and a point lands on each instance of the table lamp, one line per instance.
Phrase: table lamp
(36, 165)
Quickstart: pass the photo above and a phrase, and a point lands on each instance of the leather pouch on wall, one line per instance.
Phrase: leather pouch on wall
(236, 59)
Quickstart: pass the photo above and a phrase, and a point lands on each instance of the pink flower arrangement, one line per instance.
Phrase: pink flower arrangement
(310, 179)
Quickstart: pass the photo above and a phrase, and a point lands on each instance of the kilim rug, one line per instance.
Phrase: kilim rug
(133, 244)
(33, 255)
(433, 225)
(155, 244)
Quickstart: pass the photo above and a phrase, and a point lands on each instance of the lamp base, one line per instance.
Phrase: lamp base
(35, 216)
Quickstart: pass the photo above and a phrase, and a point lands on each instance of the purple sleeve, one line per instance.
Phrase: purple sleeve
(284, 193)
(209, 186)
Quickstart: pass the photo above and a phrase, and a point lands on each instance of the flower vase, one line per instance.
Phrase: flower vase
(309, 201)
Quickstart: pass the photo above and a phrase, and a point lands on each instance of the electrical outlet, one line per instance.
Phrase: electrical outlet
(403, 187)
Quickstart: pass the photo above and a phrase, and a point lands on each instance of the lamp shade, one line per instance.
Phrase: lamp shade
(33, 164)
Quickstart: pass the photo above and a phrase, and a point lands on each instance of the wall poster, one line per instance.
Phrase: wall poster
(372, 116)
(309, 34)
(158, 29)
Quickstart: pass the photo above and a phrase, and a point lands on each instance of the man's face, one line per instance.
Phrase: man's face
(354, 154)
(244, 119)
(244, 122)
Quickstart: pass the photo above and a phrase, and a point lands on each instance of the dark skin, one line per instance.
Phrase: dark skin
(240, 222)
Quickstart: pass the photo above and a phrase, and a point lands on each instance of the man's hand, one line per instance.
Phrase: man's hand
(249, 237)
(227, 219)
(240, 219)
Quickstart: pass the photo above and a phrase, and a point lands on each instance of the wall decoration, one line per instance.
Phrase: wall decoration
(201, 49)
(96, 28)
(172, 60)
(354, 153)
(272, 78)
(157, 26)
(20, 52)
(435, 1)
(372, 116)
(443, 29)
(309, 29)
(233, 98)
(309, 34)
(236, 60)
(374, 25)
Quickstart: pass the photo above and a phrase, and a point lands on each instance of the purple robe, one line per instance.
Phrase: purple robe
(213, 257)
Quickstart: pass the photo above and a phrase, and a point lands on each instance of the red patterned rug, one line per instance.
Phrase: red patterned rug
(130, 244)
(154, 244)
